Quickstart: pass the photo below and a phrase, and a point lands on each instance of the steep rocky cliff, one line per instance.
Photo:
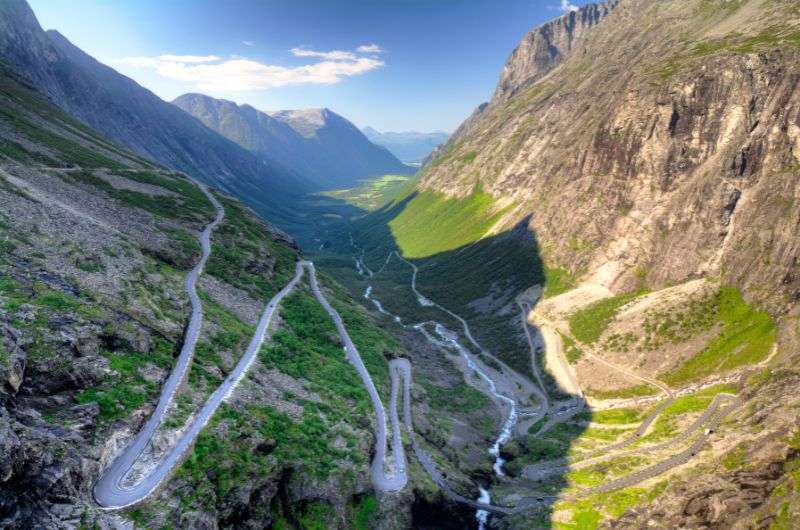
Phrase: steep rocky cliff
(669, 128)
(646, 145)
(548, 45)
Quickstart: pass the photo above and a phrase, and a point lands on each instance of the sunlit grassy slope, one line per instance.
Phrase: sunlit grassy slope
(432, 223)
(375, 193)
(746, 337)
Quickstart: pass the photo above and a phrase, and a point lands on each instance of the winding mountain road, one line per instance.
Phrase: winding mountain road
(711, 417)
(110, 491)
(381, 479)
(114, 489)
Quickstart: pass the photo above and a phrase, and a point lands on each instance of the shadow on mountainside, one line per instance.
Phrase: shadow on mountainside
(481, 282)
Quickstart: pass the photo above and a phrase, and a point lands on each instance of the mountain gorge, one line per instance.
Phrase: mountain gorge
(97, 245)
(581, 313)
(645, 154)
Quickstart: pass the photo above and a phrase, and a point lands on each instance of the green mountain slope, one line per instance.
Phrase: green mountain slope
(96, 244)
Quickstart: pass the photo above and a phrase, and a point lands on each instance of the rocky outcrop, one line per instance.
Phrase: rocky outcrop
(548, 45)
(674, 149)
(12, 366)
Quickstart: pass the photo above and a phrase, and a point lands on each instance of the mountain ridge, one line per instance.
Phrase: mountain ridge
(130, 114)
(317, 143)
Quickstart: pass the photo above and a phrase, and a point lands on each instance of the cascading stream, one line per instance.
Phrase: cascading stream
(448, 338)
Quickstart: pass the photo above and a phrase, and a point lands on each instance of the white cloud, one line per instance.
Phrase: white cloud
(248, 43)
(369, 48)
(568, 6)
(334, 55)
(213, 73)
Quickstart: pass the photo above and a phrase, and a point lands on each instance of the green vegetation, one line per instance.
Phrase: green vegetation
(90, 264)
(18, 94)
(191, 205)
(588, 512)
(375, 193)
(557, 281)
(432, 223)
(599, 473)
(55, 300)
(257, 440)
(188, 243)
(220, 462)
(468, 157)
(316, 516)
(474, 273)
(588, 324)
(623, 393)
(70, 151)
(364, 513)
(208, 367)
(4, 356)
(460, 398)
(241, 241)
(306, 350)
(16, 152)
(680, 324)
(747, 337)
(734, 43)
(193, 197)
(617, 416)
(128, 390)
(666, 425)
(571, 350)
(784, 520)
(735, 458)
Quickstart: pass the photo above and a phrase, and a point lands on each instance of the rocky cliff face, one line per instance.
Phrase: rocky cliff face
(672, 148)
(548, 45)
(316, 143)
(646, 144)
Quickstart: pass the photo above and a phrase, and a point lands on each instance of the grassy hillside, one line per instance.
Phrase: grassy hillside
(375, 193)
(431, 223)
(95, 245)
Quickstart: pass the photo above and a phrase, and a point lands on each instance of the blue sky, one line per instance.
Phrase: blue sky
(392, 64)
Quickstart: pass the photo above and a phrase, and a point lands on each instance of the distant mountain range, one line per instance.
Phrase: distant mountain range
(260, 157)
(316, 143)
(129, 114)
(410, 146)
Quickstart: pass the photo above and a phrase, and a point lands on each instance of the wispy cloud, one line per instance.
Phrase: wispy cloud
(369, 48)
(333, 55)
(248, 43)
(568, 6)
(213, 73)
